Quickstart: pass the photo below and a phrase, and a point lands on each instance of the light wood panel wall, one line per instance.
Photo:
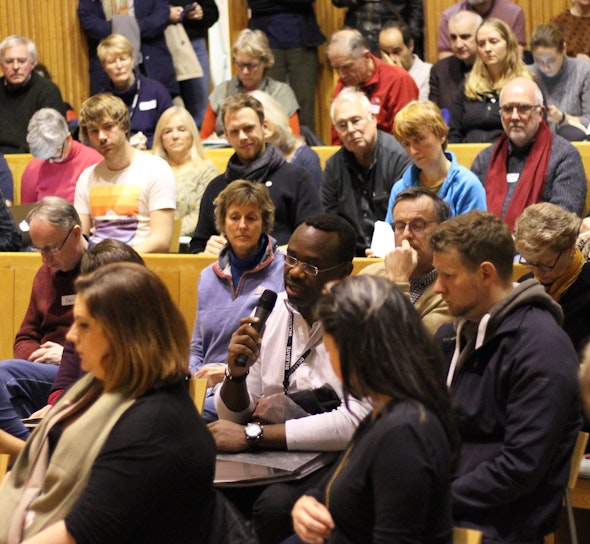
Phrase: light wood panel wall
(53, 25)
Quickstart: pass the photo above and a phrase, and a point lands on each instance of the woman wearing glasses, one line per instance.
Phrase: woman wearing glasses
(392, 484)
(252, 57)
(546, 238)
(230, 288)
(475, 116)
(421, 130)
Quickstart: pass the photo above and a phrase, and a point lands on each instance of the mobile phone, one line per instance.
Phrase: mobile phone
(190, 7)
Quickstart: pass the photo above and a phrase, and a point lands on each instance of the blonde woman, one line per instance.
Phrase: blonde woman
(475, 116)
(176, 140)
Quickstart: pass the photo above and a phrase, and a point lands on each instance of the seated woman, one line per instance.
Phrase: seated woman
(177, 141)
(546, 238)
(280, 134)
(230, 288)
(574, 23)
(392, 484)
(566, 83)
(145, 98)
(475, 116)
(421, 130)
(252, 57)
(124, 455)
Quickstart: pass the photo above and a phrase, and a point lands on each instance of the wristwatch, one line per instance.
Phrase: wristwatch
(235, 379)
(253, 431)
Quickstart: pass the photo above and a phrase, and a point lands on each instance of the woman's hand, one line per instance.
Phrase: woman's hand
(312, 521)
(214, 374)
(175, 14)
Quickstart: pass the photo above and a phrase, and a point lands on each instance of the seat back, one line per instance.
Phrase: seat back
(198, 391)
(175, 240)
(4, 459)
(462, 535)
(577, 455)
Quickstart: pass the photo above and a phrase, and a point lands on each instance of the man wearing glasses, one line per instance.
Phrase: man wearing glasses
(529, 164)
(359, 177)
(22, 93)
(59, 159)
(276, 400)
(25, 381)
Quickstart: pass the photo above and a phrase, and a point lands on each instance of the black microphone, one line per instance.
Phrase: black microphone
(263, 309)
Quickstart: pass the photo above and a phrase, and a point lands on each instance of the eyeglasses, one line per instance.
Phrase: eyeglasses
(53, 250)
(60, 155)
(309, 269)
(540, 266)
(522, 109)
(416, 226)
(344, 124)
(246, 65)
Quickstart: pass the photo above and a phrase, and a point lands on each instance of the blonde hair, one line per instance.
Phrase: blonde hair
(417, 118)
(196, 152)
(282, 136)
(478, 82)
(147, 335)
(96, 109)
(254, 43)
(115, 43)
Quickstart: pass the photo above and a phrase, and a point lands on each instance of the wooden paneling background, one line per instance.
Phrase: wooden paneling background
(53, 25)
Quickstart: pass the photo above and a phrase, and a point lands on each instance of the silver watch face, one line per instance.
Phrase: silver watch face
(253, 431)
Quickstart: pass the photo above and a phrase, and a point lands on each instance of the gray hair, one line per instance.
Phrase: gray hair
(524, 81)
(352, 40)
(14, 40)
(47, 131)
(352, 96)
(57, 211)
(476, 19)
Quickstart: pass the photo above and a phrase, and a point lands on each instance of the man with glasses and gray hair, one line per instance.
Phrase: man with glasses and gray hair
(529, 164)
(358, 178)
(59, 159)
(22, 92)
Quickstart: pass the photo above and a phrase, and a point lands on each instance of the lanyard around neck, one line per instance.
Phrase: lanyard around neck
(288, 368)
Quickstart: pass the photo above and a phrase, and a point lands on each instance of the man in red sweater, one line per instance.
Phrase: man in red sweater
(25, 381)
(389, 88)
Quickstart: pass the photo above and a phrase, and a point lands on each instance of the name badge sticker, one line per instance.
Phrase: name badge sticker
(68, 300)
(375, 109)
(148, 105)
(512, 178)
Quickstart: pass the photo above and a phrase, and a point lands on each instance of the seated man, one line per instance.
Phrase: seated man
(56, 233)
(397, 48)
(416, 213)
(512, 376)
(291, 362)
(291, 188)
(130, 195)
(59, 159)
(358, 178)
(388, 88)
(22, 93)
(529, 164)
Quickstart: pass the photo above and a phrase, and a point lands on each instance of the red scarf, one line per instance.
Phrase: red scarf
(530, 186)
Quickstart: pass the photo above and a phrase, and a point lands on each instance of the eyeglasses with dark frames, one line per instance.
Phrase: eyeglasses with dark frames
(53, 250)
(522, 109)
(416, 226)
(540, 266)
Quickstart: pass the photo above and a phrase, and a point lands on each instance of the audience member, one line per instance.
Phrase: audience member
(294, 36)
(546, 238)
(283, 403)
(368, 17)
(22, 93)
(358, 178)
(69, 370)
(145, 98)
(58, 158)
(252, 58)
(395, 477)
(422, 133)
(475, 116)
(177, 141)
(130, 195)
(574, 23)
(9, 236)
(505, 10)
(131, 460)
(416, 212)
(38, 346)
(280, 134)
(518, 411)
(143, 25)
(566, 83)
(529, 164)
(397, 47)
(389, 88)
(197, 18)
(230, 288)
(6, 182)
(291, 188)
(448, 74)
